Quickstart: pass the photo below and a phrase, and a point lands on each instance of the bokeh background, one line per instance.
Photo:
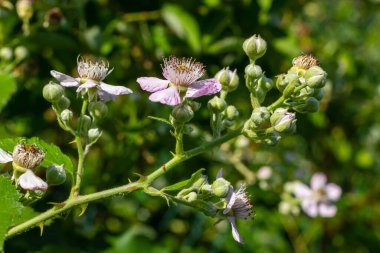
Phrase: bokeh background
(341, 140)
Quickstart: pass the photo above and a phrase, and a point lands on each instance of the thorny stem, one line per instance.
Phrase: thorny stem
(178, 133)
(142, 183)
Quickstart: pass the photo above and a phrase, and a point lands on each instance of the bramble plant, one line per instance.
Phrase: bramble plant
(300, 89)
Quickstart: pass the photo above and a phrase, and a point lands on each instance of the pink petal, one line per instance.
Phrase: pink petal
(326, 210)
(115, 90)
(152, 84)
(203, 87)
(318, 181)
(65, 80)
(29, 181)
(235, 232)
(169, 96)
(87, 85)
(5, 157)
(302, 191)
(310, 208)
(231, 198)
(333, 191)
(219, 174)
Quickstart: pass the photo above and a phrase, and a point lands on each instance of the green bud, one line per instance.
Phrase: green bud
(199, 183)
(228, 79)
(194, 105)
(85, 122)
(260, 94)
(221, 187)
(52, 92)
(98, 110)
(6, 53)
(182, 113)
(318, 94)
(216, 105)
(62, 104)
(93, 134)
(192, 196)
(265, 83)
(254, 47)
(55, 174)
(315, 77)
(272, 138)
(66, 116)
(260, 116)
(253, 71)
(311, 104)
(231, 112)
(21, 52)
(283, 121)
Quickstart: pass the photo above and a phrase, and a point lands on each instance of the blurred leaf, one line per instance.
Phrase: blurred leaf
(8, 87)
(224, 45)
(186, 183)
(12, 211)
(287, 46)
(183, 24)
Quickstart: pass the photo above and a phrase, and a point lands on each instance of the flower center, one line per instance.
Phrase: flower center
(182, 72)
(89, 68)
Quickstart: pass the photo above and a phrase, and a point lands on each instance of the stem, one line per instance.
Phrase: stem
(142, 183)
(178, 133)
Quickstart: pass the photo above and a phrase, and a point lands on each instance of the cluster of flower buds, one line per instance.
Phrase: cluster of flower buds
(266, 127)
(302, 85)
(217, 199)
(25, 159)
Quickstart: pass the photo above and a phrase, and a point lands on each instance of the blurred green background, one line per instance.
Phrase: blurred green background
(342, 140)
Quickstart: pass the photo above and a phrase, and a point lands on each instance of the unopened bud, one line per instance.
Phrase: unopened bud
(318, 94)
(228, 79)
(52, 92)
(66, 116)
(195, 105)
(253, 71)
(55, 174)
(94, 134)
(6, 53)
(24, 9)
(265, 83)
(85, 122)
(260, 116)
(283, 121)
(221, 187)
(254, 47)
(310, 105)
(315, 77)
(182, 113)
(62, 104)
(231, 112)
(272, 138)
(21, 52)
(216, 105)
(98, 110)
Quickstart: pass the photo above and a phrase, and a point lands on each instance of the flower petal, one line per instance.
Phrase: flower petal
(169, 96)
(87, 85)
(301, 190)
(318, 181)
(5, 157)
(152, 84)
(231, 198)
(326, 210)
(219, 174)
(235, 232)
(310, 207)
(333, 191)
(29, 181)
(203, 87)
(65, 80)
(110, 92)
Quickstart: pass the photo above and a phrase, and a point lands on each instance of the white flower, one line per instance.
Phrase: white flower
(91, 75)
(29, 181)
(319, 198)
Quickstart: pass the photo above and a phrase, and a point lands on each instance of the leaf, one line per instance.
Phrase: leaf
(8, 86)
(12, 212)
(186, 183)
(183, 24)
(225, 45)
(160, 119)
(53, 155)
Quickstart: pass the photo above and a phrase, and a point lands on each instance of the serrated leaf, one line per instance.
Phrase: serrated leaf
(8, 87)
(186, 183)
(12, 212)
(183, 24)
(53, 154)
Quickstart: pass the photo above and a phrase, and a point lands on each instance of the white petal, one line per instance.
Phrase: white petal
(5, 157)
(318, 181)
(64, 79)
(231, 198)
(235, 232)
(152, 84)
(87, 85)
(167, 96)
(310, 208)
(326, 210)
(219, 174)
(333, 191)
(29, 181)
(203, 87)
(115, 90)
(301, 190)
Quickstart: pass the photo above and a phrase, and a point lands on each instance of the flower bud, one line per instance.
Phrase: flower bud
(272, 138)
(66, 116)
(195, 106)
(228, 79)
(98, 110)
(254, 47)
(216, 105)
(200, 182)
(192, 196)
(318, 94)
(265, 83)
(55, 174)
(62, 104)
(52, 92)
(85, 122)
(283, 121)
(27, 156)
(231, 112)
(24, 9)
(315, 77)
(182, 113)
(221, 187)
(253, 71)
(6, 53)
(21, 52)
(311, 104)
(94, 134)
(260, 116)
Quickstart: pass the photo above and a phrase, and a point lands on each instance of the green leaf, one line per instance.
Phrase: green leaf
(160, 119)
(8, 86)
(225, 45)
(12, 212)
(186, 183)
(53, 155)
(183, 24)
